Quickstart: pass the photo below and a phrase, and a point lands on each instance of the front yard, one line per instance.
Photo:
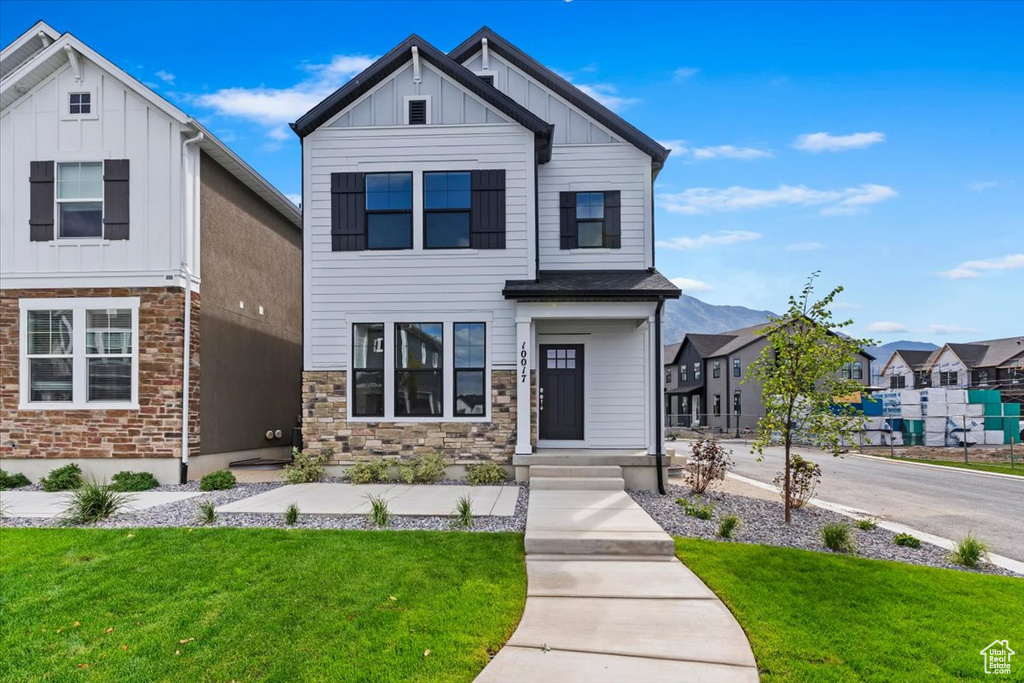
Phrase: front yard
(816, 617)
(255, 604)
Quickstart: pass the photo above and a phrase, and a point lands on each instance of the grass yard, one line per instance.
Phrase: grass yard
(817, 617)
(979, 466)
(247, 604)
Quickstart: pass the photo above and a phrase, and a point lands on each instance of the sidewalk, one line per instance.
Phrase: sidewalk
(608, 601)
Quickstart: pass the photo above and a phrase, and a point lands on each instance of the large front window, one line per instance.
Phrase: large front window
(50, 354)
(470, 367)
(108, 351)
(419, 380)
(80, 199)
(389, 210)
(446, 209)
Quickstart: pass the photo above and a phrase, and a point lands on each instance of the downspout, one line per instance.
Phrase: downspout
(536, 220)
(188, 224)
(658, 392)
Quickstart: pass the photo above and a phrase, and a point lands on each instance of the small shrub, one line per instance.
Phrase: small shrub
(133, 481)
(804, 478)
(93, 501)
(969, 551)
(907, 541)
(291, 514)
(709, 463)
(836, 537)
(368, 472)
(464, 512)
(12, 481)
(429, 468)
(305, 468)
(867, 524)
(727, 527)
(484, 473)
(219, 480)
(379, 513)
(63, 478)
(407, 472)
(696, 510)
(207, 513)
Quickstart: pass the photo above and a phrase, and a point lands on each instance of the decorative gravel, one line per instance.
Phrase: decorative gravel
(761, 522)
(186, 514)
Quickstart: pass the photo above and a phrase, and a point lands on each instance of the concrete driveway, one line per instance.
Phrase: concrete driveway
(943, 501)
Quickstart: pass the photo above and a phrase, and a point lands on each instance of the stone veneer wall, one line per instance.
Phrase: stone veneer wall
(325, 425)
(152, 431)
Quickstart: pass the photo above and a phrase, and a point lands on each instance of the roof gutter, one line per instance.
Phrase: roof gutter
(189, 207)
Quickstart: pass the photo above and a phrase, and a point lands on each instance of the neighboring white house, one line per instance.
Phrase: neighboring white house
(989, 364)
(478, 264)
(119, 213)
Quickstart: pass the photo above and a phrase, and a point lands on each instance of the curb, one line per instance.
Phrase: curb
(882, 458)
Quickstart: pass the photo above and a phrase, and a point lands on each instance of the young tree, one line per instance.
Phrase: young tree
(799, 373)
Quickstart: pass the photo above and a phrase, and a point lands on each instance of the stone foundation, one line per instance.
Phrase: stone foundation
(151, 431)
(325, 426)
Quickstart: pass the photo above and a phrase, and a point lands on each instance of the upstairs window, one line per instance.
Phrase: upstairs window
(736, 368)
(696, 371)
(716, 369)
(80, 199)
(446, 210)
(897, 382)
(682, 373)
(389, 210)
(858, 370)
(847, 370)
(948, 379)
(590, 220)
(417, 112)
(80, 103)
(419, 382)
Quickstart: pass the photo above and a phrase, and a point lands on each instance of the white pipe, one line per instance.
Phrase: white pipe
(187, 227)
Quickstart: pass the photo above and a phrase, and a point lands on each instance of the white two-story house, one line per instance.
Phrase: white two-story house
(150, 287)
(478, 268)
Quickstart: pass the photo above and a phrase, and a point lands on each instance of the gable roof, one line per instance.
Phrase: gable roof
(46, 61)
(670, 352)
(985, 354)
(398, 57)
(706, 344)
(563, 89)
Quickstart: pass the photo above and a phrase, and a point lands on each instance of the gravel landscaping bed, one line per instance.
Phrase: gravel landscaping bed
(186, 514)
(761, 522)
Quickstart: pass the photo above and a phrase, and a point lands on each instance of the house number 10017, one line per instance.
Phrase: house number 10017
(522, 362)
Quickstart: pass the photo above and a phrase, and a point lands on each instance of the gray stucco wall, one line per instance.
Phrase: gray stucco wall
(251, 360)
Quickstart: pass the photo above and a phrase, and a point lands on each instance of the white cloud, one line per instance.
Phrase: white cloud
(724, 238)
(826, 142)
(887, 327)
(950, 329)
(703, 200)
(607, 94)
(982, 185)
(294, 197)
(165, 76)
(690, 285)
(805, 246)
(683, 73)
(276, 107)
(681, 150)
(975, 269)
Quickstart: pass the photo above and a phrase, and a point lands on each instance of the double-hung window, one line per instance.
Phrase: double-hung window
(446, 210)
(847, 371)
(80, 199)
(419, 378)
(736, 368)
(590, 219)
(368, 369)
(858, 370)
(716, 369)
(470, 366)
(79, 353)
(696, 371)
(682, 373)
(389, 210)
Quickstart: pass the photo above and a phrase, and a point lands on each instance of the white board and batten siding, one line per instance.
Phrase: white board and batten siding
(416, 285)
(36, 127)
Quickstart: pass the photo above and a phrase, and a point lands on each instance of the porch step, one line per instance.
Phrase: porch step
(599, 543)
(601, 471)
(577, 483)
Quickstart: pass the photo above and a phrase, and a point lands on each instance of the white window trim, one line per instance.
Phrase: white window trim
(78, 307)
(65, 103)
(494, 74)
(447, 364)
(58, 201)
(405, 108)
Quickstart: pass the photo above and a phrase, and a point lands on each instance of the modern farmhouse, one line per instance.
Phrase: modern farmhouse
(119, 214)
(478, 267)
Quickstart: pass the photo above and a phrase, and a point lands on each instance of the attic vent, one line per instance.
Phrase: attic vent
(417, 112)
(488, 79)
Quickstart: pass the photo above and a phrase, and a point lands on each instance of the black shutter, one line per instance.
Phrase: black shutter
(348, 211)
(417, 112)
(569, 239)
(41, 201)
(487, 209)
(115, 199)
(612, 220)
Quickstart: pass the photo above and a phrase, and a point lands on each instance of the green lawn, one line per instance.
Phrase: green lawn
(817, 617)
(979, 466)
(247, 605)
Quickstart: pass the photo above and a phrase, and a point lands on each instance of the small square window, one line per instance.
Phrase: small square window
(80, 103)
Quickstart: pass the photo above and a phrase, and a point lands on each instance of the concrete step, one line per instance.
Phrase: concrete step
(599, 543)
(577, 483)
(613, 471)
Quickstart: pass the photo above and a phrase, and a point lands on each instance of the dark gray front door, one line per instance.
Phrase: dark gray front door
(561, 392)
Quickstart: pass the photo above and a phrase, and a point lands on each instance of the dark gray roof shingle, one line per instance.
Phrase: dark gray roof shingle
(593, 284)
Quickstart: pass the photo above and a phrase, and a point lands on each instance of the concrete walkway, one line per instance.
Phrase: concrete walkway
(607, 600)
(46, 505)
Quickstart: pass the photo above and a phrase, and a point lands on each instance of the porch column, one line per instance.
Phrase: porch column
(524, 363)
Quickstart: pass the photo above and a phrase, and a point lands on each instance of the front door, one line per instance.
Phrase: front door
(561, 392)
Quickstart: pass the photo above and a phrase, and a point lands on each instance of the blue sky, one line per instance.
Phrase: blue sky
(880, 143)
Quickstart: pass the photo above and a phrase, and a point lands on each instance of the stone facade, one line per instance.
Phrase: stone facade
(325, 426)
(151, 431)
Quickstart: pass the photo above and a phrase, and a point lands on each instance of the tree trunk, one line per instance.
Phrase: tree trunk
(788, 500)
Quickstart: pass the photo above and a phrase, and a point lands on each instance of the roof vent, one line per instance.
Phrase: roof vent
(417, 112)
(487, 78)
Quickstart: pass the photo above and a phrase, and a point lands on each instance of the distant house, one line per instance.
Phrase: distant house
(992, 364)
(704, 379)
(126, 228)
